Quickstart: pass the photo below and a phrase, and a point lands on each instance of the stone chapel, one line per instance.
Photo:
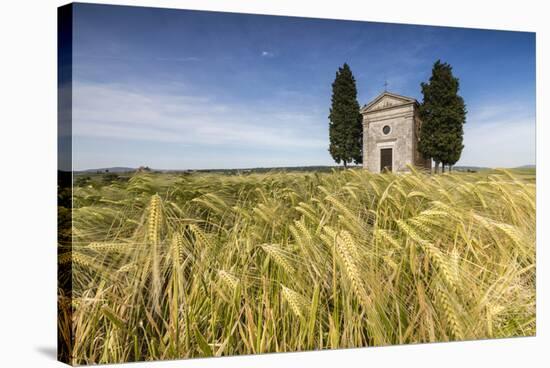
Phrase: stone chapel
(391, 129)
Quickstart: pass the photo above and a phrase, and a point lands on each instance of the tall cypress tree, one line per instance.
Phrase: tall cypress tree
(443, 115)
(345, 126)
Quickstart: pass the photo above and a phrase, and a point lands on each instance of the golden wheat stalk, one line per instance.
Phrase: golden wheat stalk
(348, 252)
(278, 255)
(229, 280)
(108, 247)
(153, 237)
(297, 302)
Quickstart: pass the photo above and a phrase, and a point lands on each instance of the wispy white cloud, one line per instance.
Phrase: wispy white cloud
(179, 59)
(268, 54)
(115, 111)
(82, 57)
(499, 134)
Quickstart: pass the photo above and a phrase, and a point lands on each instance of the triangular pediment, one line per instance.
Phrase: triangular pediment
(386, 100)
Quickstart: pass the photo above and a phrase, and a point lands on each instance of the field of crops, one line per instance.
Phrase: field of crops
(169, 266)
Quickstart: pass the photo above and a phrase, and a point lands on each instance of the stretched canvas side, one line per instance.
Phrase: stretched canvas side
(65, 336)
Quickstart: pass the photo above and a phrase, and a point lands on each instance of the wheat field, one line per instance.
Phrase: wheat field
(168, 266)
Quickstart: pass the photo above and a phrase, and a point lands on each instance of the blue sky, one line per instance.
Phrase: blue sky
(176, 89)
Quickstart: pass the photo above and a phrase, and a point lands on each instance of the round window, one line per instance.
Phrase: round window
(386, 129)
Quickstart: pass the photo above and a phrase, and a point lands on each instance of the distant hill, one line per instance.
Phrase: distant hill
(470, 168)
(266, 169)
(108, 169)
(122, 170)
(482, 168)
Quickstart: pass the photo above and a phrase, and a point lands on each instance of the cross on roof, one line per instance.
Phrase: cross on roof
(385, 86)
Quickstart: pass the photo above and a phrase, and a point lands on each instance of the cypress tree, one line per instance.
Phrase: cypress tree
(345, 126)
(443, 115)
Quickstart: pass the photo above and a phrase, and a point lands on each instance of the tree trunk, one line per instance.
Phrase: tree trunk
(442, 168)
(345, 164)
(437, 167)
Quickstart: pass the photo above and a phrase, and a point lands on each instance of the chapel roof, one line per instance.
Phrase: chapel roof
(393, 99)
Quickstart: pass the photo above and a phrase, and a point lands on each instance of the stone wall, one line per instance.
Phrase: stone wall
(401, 138)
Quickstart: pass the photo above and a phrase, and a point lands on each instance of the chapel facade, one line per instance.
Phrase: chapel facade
(391, 130)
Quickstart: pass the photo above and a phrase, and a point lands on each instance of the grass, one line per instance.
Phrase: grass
(167, 266)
